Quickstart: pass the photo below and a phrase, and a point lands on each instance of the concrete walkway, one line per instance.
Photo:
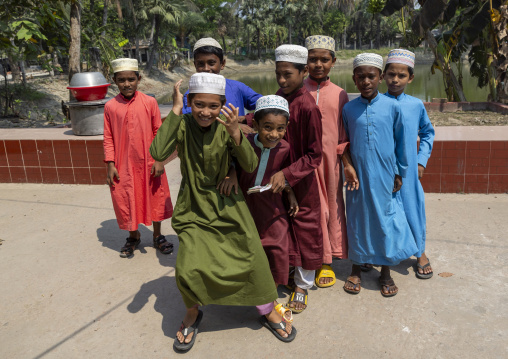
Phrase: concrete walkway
(65, 292)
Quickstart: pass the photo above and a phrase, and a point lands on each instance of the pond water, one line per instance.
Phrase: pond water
(425, 86)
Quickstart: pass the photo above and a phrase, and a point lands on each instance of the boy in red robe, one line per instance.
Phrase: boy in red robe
(138, 184)
(304, 134)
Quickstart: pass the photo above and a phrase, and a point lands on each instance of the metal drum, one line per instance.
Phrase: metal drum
(87, 117)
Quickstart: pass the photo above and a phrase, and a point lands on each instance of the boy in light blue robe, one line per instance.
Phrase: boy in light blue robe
(399, 72)
(378, 232)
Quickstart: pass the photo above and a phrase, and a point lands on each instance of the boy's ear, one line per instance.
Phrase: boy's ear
(223, 64)
(255, 125)
(411, 78)
(381, 77)
(140, 77)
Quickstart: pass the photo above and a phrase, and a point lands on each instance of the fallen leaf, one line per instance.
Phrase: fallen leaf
(445, 274)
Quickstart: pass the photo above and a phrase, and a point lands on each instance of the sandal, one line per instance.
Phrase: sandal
(423, 275)
(387, 283)
(366, 267)
(184, 347)
(325, 272)
(297, 297)
(274, 326)
(356, 281)
(130, 245)
(162, 245)
(282, 310)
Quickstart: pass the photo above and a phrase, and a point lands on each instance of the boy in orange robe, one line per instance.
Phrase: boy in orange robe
(138, 184)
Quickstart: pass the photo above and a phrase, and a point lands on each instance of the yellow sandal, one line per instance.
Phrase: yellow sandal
(325, 272)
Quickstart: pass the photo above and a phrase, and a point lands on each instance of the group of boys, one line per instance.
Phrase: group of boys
(310, 142)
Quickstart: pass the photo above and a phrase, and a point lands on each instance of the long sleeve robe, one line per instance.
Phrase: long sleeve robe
(377, 227)
(331, 99)
(267, 208)
(237, 93)
(417, 124)
(129, 128)
(220, 258)
(304, 135)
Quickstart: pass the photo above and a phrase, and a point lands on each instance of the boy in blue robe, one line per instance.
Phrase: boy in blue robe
(399, 72)
(378, 232)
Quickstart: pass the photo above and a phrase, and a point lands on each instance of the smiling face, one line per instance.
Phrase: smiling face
(127, 82)
(271, 129)
(367, 80)
(397, 77)
(320, 62)
(208, 63)
(205, 108)
(289, 78)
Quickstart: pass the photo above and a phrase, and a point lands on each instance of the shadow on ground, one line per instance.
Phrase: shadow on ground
(114, 238)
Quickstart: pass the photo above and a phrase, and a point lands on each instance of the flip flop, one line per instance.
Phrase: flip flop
(325, 272)
(282, 310)
(274, 326)
(423, 275)
(297, 297)
(184, 347)
(354, 280)
(387, 283)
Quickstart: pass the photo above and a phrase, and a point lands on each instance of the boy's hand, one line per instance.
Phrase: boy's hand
(293, 203)
(177, 98)
(228, 183)
(157, 169)
(421, 169)
(231, 122)
(112, 173)
(246, 129)
(397, 185)
(278, 182)
(351, 179)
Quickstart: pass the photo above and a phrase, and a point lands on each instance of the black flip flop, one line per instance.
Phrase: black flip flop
(184, 347)
(423, 275)
(274, 326)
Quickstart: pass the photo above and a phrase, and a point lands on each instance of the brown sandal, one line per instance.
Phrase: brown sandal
(356, 281)
(387, 283)
(163, 245)
(130, 245)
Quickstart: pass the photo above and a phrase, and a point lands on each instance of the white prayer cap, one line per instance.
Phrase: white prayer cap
(206, 41)
(368, 59)
(124, 65)
(401, 56)
(320, 42)
(204, 82)
(291, 53)
(272, 101)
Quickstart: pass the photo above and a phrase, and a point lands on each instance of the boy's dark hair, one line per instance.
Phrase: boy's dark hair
(380, 71)
(409, 69)
(191, 96)
(259, 115)
(210, 50)
(332, 54)
(299, 67)
(136, 72)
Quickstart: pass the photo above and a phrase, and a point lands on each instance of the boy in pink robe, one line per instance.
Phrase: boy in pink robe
(330, 99)
(138, 184)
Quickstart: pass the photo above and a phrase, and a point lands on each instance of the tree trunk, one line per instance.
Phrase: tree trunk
(378, 32)
(236, 34)
(75, 39)
(23, 71)
(259, 42)
(248, 41)
(16, 74)
(454, 90)
(224, 48)
(119, 9)
(104, 17)
(95, 59)
(290, 30)
(153, 29)
(155, 46)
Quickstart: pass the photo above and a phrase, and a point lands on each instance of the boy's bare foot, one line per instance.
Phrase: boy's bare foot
(190, 319)
(325, 276)
(353, 282)
(388, 287)
(275, 317)
(298, 300)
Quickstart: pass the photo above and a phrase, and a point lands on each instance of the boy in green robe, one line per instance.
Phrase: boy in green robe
(220, 258)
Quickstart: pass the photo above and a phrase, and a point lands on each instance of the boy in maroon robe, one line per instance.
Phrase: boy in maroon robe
(304, 134)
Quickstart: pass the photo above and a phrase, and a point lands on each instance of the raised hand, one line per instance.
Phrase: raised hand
(177, 98)
(231, 122)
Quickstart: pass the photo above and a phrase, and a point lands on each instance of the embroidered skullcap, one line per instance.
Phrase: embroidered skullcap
(292, 53)
(320, 42)
(401, 56)
(203, 82)
(124, 65)
(206, 41)
(272, 101)
(368, 59)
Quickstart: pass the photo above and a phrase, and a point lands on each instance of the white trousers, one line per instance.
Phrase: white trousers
(304, 278)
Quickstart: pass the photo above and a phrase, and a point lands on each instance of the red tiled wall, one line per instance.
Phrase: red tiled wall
(467, 167)
(52, 161)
